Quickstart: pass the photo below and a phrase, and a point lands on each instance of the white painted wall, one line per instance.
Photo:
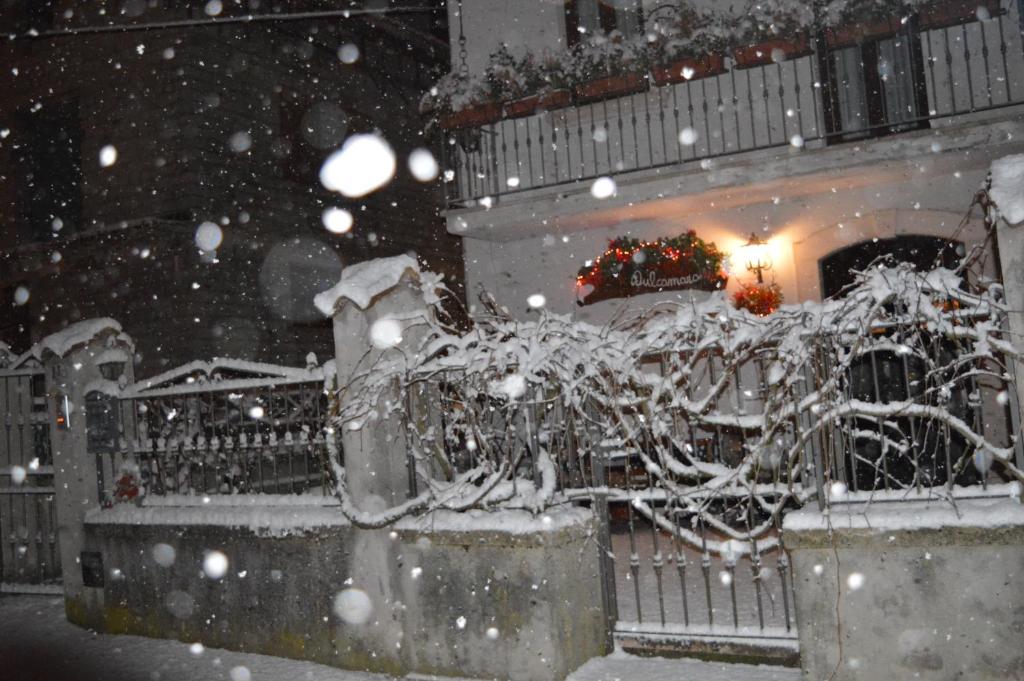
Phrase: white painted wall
(801, 230)
(535, 26)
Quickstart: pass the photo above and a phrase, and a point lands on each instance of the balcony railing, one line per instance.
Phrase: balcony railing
(890, 83)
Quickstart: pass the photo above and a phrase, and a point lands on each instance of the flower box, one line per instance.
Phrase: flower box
(697, 67)
(944, 13)
(854, 34)
(610, 87)
(525, 106)
(761, 53)
(555, 99)
(472, 117)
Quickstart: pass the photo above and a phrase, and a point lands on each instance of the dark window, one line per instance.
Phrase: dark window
(875, 86)
(925, 252)
(49, 185)
(586, 17)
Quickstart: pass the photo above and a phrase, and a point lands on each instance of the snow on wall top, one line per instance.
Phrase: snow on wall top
(913, 515)
(1008, 187)
(364, 281)
(79, 333)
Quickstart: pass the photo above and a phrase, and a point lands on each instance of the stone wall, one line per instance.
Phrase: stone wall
(910, 590)
(502, 595)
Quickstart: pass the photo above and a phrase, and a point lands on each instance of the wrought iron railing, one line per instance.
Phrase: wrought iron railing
(242, 436)
(910, 79)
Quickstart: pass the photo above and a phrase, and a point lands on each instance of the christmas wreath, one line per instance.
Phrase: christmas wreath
(631, 266)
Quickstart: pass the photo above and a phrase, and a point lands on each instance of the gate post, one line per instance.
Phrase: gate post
(384, 290)
(86, 357)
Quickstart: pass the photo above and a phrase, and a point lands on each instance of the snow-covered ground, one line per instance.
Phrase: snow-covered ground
(38, 644)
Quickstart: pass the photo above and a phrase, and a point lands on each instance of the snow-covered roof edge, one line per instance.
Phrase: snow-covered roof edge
(362, 282)
(75, 335)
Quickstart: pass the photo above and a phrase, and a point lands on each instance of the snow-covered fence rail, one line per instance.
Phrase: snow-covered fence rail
(224, 427)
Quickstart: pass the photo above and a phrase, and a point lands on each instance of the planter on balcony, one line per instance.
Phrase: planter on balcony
(761, 53)
(556, 99)
(700, 67)
(472, 117)
(610, 87)
(854, 34)
(944, 13)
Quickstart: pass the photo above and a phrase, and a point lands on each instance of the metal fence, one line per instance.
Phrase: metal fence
(221, 436)
(909, 79)
(29, 553)
(684, 561)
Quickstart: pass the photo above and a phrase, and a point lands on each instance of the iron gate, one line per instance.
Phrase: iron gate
(29, 555)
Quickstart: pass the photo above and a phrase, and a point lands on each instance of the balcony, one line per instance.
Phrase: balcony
(846, 86)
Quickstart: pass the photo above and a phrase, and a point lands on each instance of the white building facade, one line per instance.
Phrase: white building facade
(863, 142)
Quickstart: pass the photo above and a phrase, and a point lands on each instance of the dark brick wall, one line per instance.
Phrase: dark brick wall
(171, 119)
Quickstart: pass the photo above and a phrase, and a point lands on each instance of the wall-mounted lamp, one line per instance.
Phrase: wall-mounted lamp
(757, 255)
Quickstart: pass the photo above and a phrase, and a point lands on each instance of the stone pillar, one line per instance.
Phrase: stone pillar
(387, 291)
(76, 361)
(1011, 258)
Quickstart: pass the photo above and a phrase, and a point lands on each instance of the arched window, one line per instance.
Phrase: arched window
(925, 252)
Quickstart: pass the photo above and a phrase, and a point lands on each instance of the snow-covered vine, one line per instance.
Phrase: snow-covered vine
(703, 413)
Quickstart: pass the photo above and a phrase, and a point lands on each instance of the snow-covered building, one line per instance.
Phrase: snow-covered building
(834, 133)
(124, 126)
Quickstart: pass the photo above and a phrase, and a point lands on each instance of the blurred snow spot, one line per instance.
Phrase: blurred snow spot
(108, 156)
(492, 633)
(18, 475)
(725, 577)
(460, 622)
(180, 604)
(688, 72)
(600, 134)
(688, 136)
(416, 572)
(164, 554)
(21, 295)
(240, 142)
(364, 163)
(256, 412)
(837, 490)
(796, 141)
(196, 649)
(512, 386)
(208, 236)
(819, 569)
(512, 182)
(324, 125)
(385, 333)
(215, 564)
(348, 53)
(240, 673)
(603, 188)
(422, 165)
(536, 300)
(213, 8)
(353, 606)
(337, 220)
(855, 581)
